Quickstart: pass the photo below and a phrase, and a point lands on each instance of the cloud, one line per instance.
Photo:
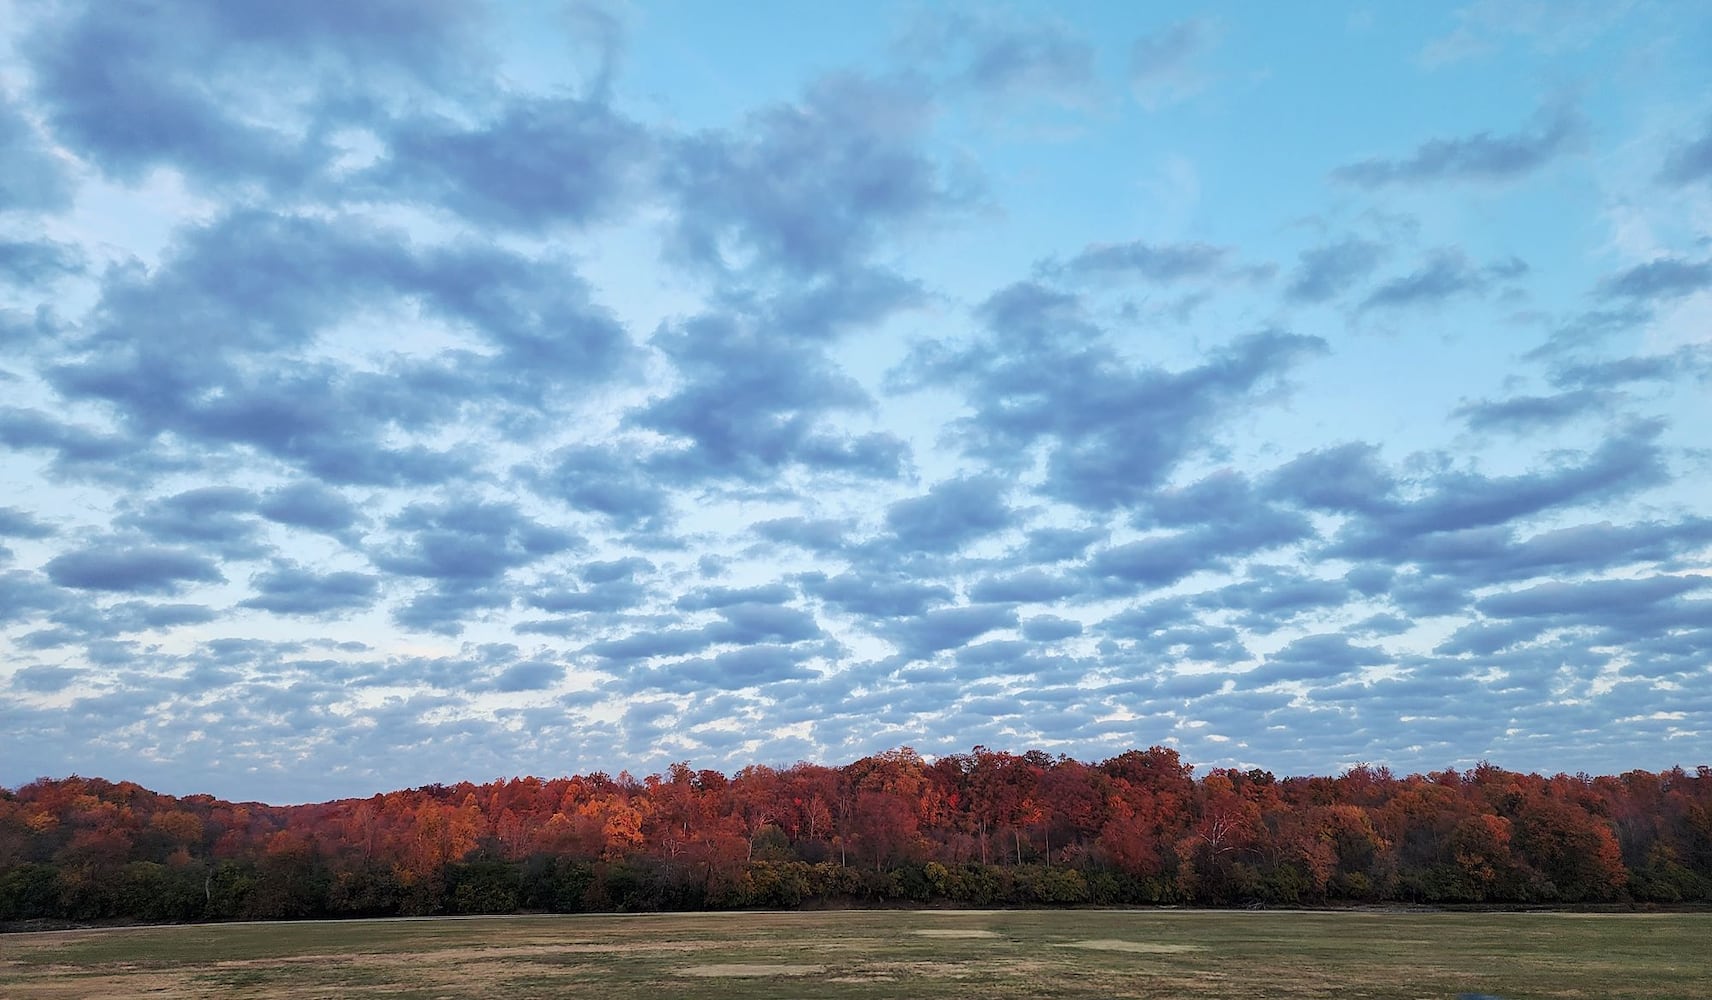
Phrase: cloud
(951, 515)
(1010, 63)
(1479, 157)
(712, 598)
(1447, 274)
(920, 636)
(1325, 272)
(468, 541)
(1347, 478)
(1622, 464)
(605, 480)
(1161, 65)
(158, 84)
(603, 596)
(1662, 278)
(1048, 628)
(31, 177)
(126, 567)
(16, 523)
(538, 163)
(1168, 630)
(1054, 545)
(1224, 517)
(25, 595)
(1689, 163)
(820, 535)
(839, 303)
(732, 670)
(1269, 598)
(1522, 414)
(1111, 431)
(1315, 657)
(209, 517)
(537, 311)
(751, 403)
(530, 675)
(79, 452)
(875, 594)
(83, 623)
(26, 263)
(42, 679)
(809, 188)
(466, 549)
(1688, 361)
(1163, 560)
(1031, 586)
(741, 625)
(312, 506)
(150, 353)
(1161, 263)
(1560, 600)
(1487, 555)
(293, 590)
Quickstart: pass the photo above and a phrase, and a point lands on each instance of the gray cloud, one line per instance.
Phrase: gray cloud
(1661, 278)
(116, 565)
(951, 515)
(312, 506)
(752, 403)
(1324, 272)
(155, 84)
(15, 523)
(1445, 275)
(1148, 262)
(1620, 465)
(921, 636)
(467, 541)
(1111, 431)
(1014, 62)
(37, 262)
(31, 179)
(293, 590)
(1315, 657)
(882, 595)
(537, 163)
(1479, 157)
(1520, 414)
(808, 188)
(1689, 162)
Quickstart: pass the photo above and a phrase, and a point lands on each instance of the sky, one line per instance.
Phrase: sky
(404, 391)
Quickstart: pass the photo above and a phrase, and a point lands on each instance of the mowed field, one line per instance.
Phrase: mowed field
(886, 953)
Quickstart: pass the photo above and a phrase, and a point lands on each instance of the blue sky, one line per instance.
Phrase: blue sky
(399, 392)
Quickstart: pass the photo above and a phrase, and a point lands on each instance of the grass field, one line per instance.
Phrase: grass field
(828, 955)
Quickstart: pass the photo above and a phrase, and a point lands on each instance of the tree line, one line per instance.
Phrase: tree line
(983, 828)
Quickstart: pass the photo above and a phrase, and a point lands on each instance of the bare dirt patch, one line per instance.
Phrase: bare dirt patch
(736, 970)
(126, 985)
(955, 932)
(479, 954)
(1140, 947)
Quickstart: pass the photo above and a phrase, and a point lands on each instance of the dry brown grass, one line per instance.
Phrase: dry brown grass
(1138, 947)
(832, 955)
